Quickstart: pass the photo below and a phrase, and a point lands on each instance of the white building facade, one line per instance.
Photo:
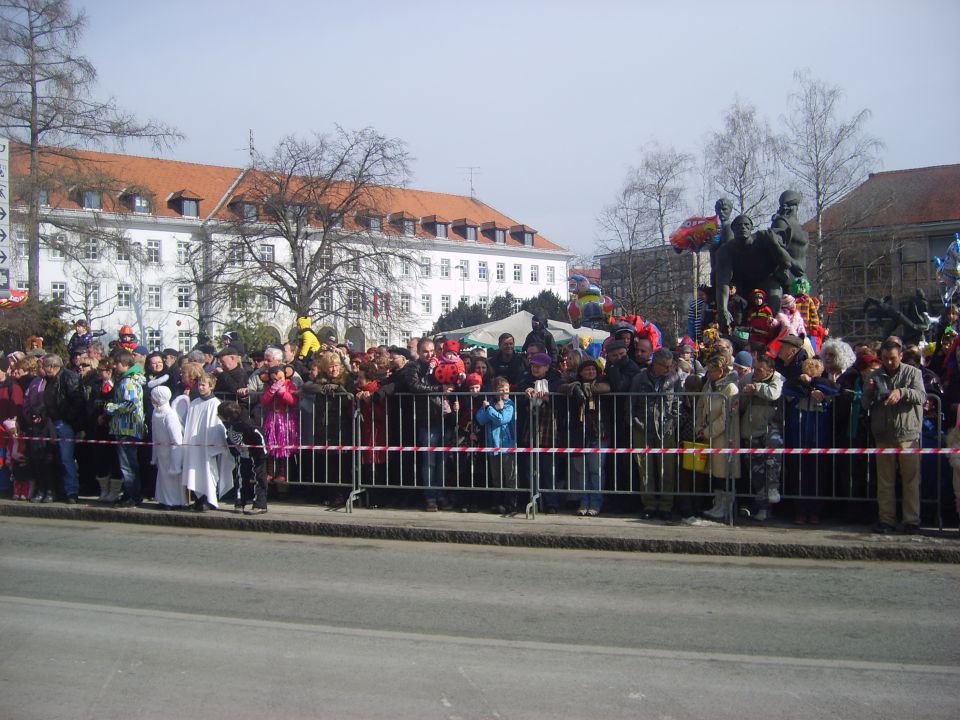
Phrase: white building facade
(143, 281)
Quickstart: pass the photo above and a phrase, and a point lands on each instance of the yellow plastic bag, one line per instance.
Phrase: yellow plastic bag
(692, 462)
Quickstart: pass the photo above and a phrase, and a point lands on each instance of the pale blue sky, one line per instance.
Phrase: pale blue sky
(552, 100)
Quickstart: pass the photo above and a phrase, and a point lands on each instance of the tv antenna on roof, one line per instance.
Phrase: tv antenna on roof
(250, 146)
(473, 170)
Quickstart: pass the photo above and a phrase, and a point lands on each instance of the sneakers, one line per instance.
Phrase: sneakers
(255, 511)
(582, 512)
(773, 496)
(48, 498)
(593, 513)
(37, 498)
(238, 507)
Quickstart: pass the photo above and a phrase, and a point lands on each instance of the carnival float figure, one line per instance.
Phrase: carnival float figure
(948, 271)
(589, 306)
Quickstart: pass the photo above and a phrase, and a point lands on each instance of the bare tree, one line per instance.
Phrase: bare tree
(827, 155)
(639, 222)
(46, 103)
(744, 160)
(311, 222)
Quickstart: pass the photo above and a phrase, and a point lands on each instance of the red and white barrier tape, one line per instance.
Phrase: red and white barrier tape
(557, 451)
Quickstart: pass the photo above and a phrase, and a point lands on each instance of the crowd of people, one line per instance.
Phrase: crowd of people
(124, 423)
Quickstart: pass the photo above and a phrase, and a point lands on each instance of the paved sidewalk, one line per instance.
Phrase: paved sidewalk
(607, 532)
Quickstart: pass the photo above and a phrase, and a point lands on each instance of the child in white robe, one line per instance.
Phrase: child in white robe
(207, 464)
(167, 449)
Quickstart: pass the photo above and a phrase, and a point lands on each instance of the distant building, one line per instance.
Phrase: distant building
(460, 248)
(881, 240)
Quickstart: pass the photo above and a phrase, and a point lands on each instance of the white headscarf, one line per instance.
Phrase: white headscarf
(160, 397)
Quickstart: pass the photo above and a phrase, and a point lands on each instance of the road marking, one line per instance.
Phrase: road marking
(532, 645)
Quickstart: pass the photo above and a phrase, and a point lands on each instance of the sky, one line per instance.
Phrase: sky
(550, 101)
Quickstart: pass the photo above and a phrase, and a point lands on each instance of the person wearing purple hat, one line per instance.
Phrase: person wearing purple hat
(539, 383)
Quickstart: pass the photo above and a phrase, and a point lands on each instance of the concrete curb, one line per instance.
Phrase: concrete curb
(941, 550)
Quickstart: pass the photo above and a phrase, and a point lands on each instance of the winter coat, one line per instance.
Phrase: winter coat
(901, 422)
(717, 422)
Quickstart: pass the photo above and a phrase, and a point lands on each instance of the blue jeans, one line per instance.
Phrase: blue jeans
(586, 473)
(71, 474)
(431, 463)
(129, 469)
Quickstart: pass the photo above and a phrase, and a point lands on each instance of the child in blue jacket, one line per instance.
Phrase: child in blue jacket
(500, 427)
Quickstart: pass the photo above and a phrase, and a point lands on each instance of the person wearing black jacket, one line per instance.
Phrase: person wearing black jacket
(540, 334)
(248, 447)
(232, 377)
(64, 402)
(505, 361)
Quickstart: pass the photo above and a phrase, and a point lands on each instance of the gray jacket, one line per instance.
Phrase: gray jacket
(760, 410)
(893, 424)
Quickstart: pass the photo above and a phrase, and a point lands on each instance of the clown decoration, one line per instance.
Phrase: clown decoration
(588, 306)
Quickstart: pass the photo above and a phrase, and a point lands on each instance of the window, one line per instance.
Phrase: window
(325, 301)
(154, 339)
(124, 295)
(91, 295)
(405, 268)
(123, 251)
(500, 236)
(409, 227)
(482, 269)
(336, 220)
(153, 252)
(464, 267)
(183, 297)
(266, 252)
(354, 261)
(249, 212)
(140, 203)
(441, 230)
(471, 232)
(551, 275)
(405, 303)
(464, 299)
(518, 273)
(354, 301)
(190, 208)
(23, 285)
(483, 301)
(445, 268)
(501, 272)
(153, 296)
(92, 200)
(183, 252)
(239, 297)
(426, 304)
(426, 269)
(384, 337)
(528, 239)
(517, 302)
(184, 340)
(58, 291)
(235, 255)
(91, 250)
(44, 196)
(534, 274)
(59, 243)
(375, 223)
(405, 337)
(325, 262)
(267, 302)
(444, 304)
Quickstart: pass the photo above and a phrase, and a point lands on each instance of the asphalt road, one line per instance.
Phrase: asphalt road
(119, 621)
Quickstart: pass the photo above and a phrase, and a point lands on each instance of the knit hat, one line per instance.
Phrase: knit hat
(141, 350)
(474, 379)
(788, 302)
(759, 292)
(743, 359)
(540, 359)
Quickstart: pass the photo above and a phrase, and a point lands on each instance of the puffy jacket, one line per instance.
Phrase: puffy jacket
(762, 409)
(892, 424)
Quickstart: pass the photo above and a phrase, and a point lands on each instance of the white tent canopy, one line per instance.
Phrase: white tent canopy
(518, 325)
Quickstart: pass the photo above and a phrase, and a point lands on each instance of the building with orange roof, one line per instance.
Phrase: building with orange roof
(881, 240)
(122, 238)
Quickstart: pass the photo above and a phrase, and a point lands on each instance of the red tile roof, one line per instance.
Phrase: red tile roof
(897, 198)
(165, 178)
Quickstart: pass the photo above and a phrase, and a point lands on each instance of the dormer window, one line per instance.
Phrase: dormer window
(375, 223)
(439, 225)
(495, 231)
(91, 200)
(524, 234)
(404, 222)
(44, 197)
(186, 202)
(466, 228)
(135, 201)
(245, 209)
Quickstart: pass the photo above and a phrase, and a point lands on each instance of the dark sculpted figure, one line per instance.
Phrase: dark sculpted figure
(912, 315)
(786, 225)
(724, 209)
(751, 260)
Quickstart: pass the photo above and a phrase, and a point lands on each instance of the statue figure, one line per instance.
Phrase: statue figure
(786, 225)
(751, 261)
(913, 317)
(724, 209)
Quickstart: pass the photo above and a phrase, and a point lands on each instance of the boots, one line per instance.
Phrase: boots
(716, 512)
(115, 487)
(104, 482)
(721, 509)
